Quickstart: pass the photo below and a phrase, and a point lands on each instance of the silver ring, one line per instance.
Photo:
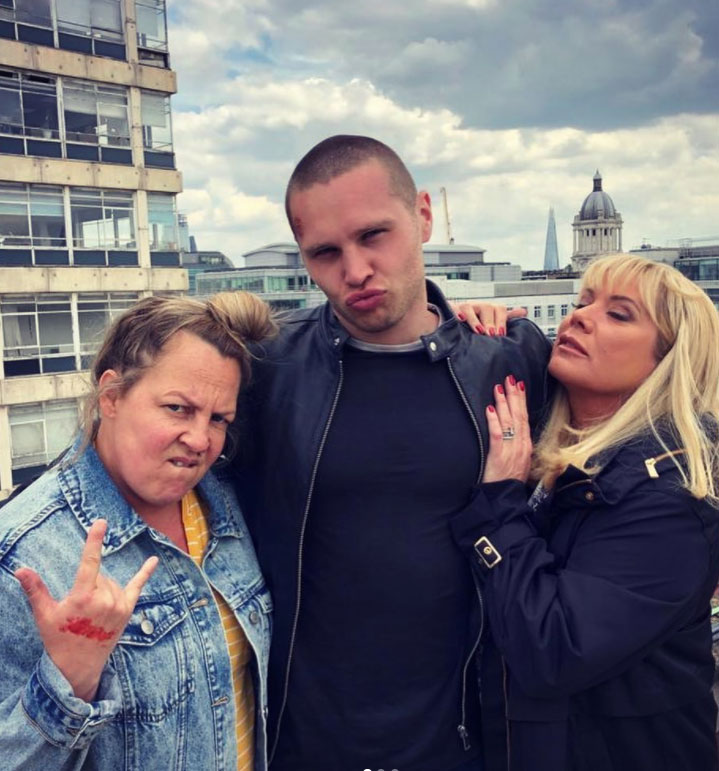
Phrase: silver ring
(507, 433)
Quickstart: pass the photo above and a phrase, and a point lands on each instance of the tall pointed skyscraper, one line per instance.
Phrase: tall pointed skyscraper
(551, 254)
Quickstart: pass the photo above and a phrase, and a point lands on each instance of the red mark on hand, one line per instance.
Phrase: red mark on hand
(85, 628)
(297, 227)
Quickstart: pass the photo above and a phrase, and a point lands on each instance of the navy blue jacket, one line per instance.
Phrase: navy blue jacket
(599, 604)
(297, 380)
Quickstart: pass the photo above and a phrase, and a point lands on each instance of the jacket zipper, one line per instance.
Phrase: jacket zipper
(506, 717)
(299, 559)
(462, 728)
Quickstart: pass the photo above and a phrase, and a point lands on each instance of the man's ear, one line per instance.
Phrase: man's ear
(424, 214)
(107, 403)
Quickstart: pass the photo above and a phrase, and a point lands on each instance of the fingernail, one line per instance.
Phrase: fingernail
(501, 330)
(490, 408)
(461, 317)
(479, 329)
(500, 390)
(512, 381)
(492, 332)
(521, 385)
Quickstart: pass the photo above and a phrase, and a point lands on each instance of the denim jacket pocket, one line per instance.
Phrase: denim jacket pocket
(153, 659)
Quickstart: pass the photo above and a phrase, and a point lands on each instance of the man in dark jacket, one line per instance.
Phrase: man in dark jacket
(368, 432)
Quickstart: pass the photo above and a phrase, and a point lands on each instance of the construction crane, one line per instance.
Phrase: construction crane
(448, 226)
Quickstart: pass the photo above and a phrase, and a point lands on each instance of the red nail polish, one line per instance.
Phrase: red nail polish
(479, 329)
(461, 317)
(490, 408)
(492, 332)
(500, 390)
(501, 330)
(512, 381)
(521, 385)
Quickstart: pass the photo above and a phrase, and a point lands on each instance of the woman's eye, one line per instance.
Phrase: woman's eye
(178, 409)
(216, 418)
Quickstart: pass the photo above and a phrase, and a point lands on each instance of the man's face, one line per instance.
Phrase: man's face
(363, 247)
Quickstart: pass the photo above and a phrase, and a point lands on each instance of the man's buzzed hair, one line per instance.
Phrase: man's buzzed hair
(343, 152)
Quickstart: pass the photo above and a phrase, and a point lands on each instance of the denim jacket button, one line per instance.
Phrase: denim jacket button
(147, 626)
(254, 617)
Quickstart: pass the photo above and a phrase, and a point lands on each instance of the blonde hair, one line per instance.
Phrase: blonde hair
(228, 321)
(681, 393)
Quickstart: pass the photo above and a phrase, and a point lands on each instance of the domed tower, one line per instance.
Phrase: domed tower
(597, 227)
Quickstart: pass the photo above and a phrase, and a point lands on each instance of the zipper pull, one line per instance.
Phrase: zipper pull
(464, 735)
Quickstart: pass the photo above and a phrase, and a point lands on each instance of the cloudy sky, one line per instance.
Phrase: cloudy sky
(511, 105)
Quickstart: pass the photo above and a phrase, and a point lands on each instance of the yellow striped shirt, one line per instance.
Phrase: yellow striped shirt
(194, 521)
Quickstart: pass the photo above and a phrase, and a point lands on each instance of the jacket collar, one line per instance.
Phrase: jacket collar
(439, 344)
(91, 495)
(623, 468)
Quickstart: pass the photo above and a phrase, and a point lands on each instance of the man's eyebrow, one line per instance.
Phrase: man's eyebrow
(312, 249)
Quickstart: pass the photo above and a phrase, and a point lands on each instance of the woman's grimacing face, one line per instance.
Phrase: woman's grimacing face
(159, 438)
(604, 349)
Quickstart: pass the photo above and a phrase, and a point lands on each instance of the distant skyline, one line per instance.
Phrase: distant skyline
(509, 106)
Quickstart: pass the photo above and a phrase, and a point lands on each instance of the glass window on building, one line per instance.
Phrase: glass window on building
(564, 310)
(102, 219)
(47, 217)
(94, 314)
(550, 311)
(31, 215)
(95, 113)
(39, 432)
(99, 18)
(156, 125)
(537, 312)
(162, 216)
(35, 12)
(151, 24)
(14, 215)
(37, 334)
(28, 105)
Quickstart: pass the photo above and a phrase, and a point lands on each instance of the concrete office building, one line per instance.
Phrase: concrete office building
(87, 202)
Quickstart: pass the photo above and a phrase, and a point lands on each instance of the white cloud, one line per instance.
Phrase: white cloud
(510, 106)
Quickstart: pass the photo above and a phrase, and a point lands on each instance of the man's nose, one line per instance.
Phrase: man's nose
(357, 267)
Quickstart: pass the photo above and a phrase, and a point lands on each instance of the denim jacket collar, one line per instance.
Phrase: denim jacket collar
(91, 494)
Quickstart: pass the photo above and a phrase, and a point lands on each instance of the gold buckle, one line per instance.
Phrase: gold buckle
(486, 551)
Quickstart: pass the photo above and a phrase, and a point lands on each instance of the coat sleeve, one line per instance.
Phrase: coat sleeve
(629, 582)
(42, 723)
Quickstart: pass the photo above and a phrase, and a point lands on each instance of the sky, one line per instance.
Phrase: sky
(510, 105)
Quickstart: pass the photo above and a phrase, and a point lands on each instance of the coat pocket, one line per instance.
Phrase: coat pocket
(153, 659)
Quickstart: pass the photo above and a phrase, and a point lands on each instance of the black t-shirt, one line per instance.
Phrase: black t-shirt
(383, 632)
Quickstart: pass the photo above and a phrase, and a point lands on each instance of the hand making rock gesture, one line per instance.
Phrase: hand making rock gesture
(510, 442)
(81, 630)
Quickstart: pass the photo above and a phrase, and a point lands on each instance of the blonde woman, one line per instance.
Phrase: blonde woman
(136, 623)
(598, 589)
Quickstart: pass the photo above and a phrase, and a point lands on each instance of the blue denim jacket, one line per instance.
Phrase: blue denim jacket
(165, 697)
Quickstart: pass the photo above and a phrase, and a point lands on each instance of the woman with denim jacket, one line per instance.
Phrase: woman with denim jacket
(135, 621)
(597, 589)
